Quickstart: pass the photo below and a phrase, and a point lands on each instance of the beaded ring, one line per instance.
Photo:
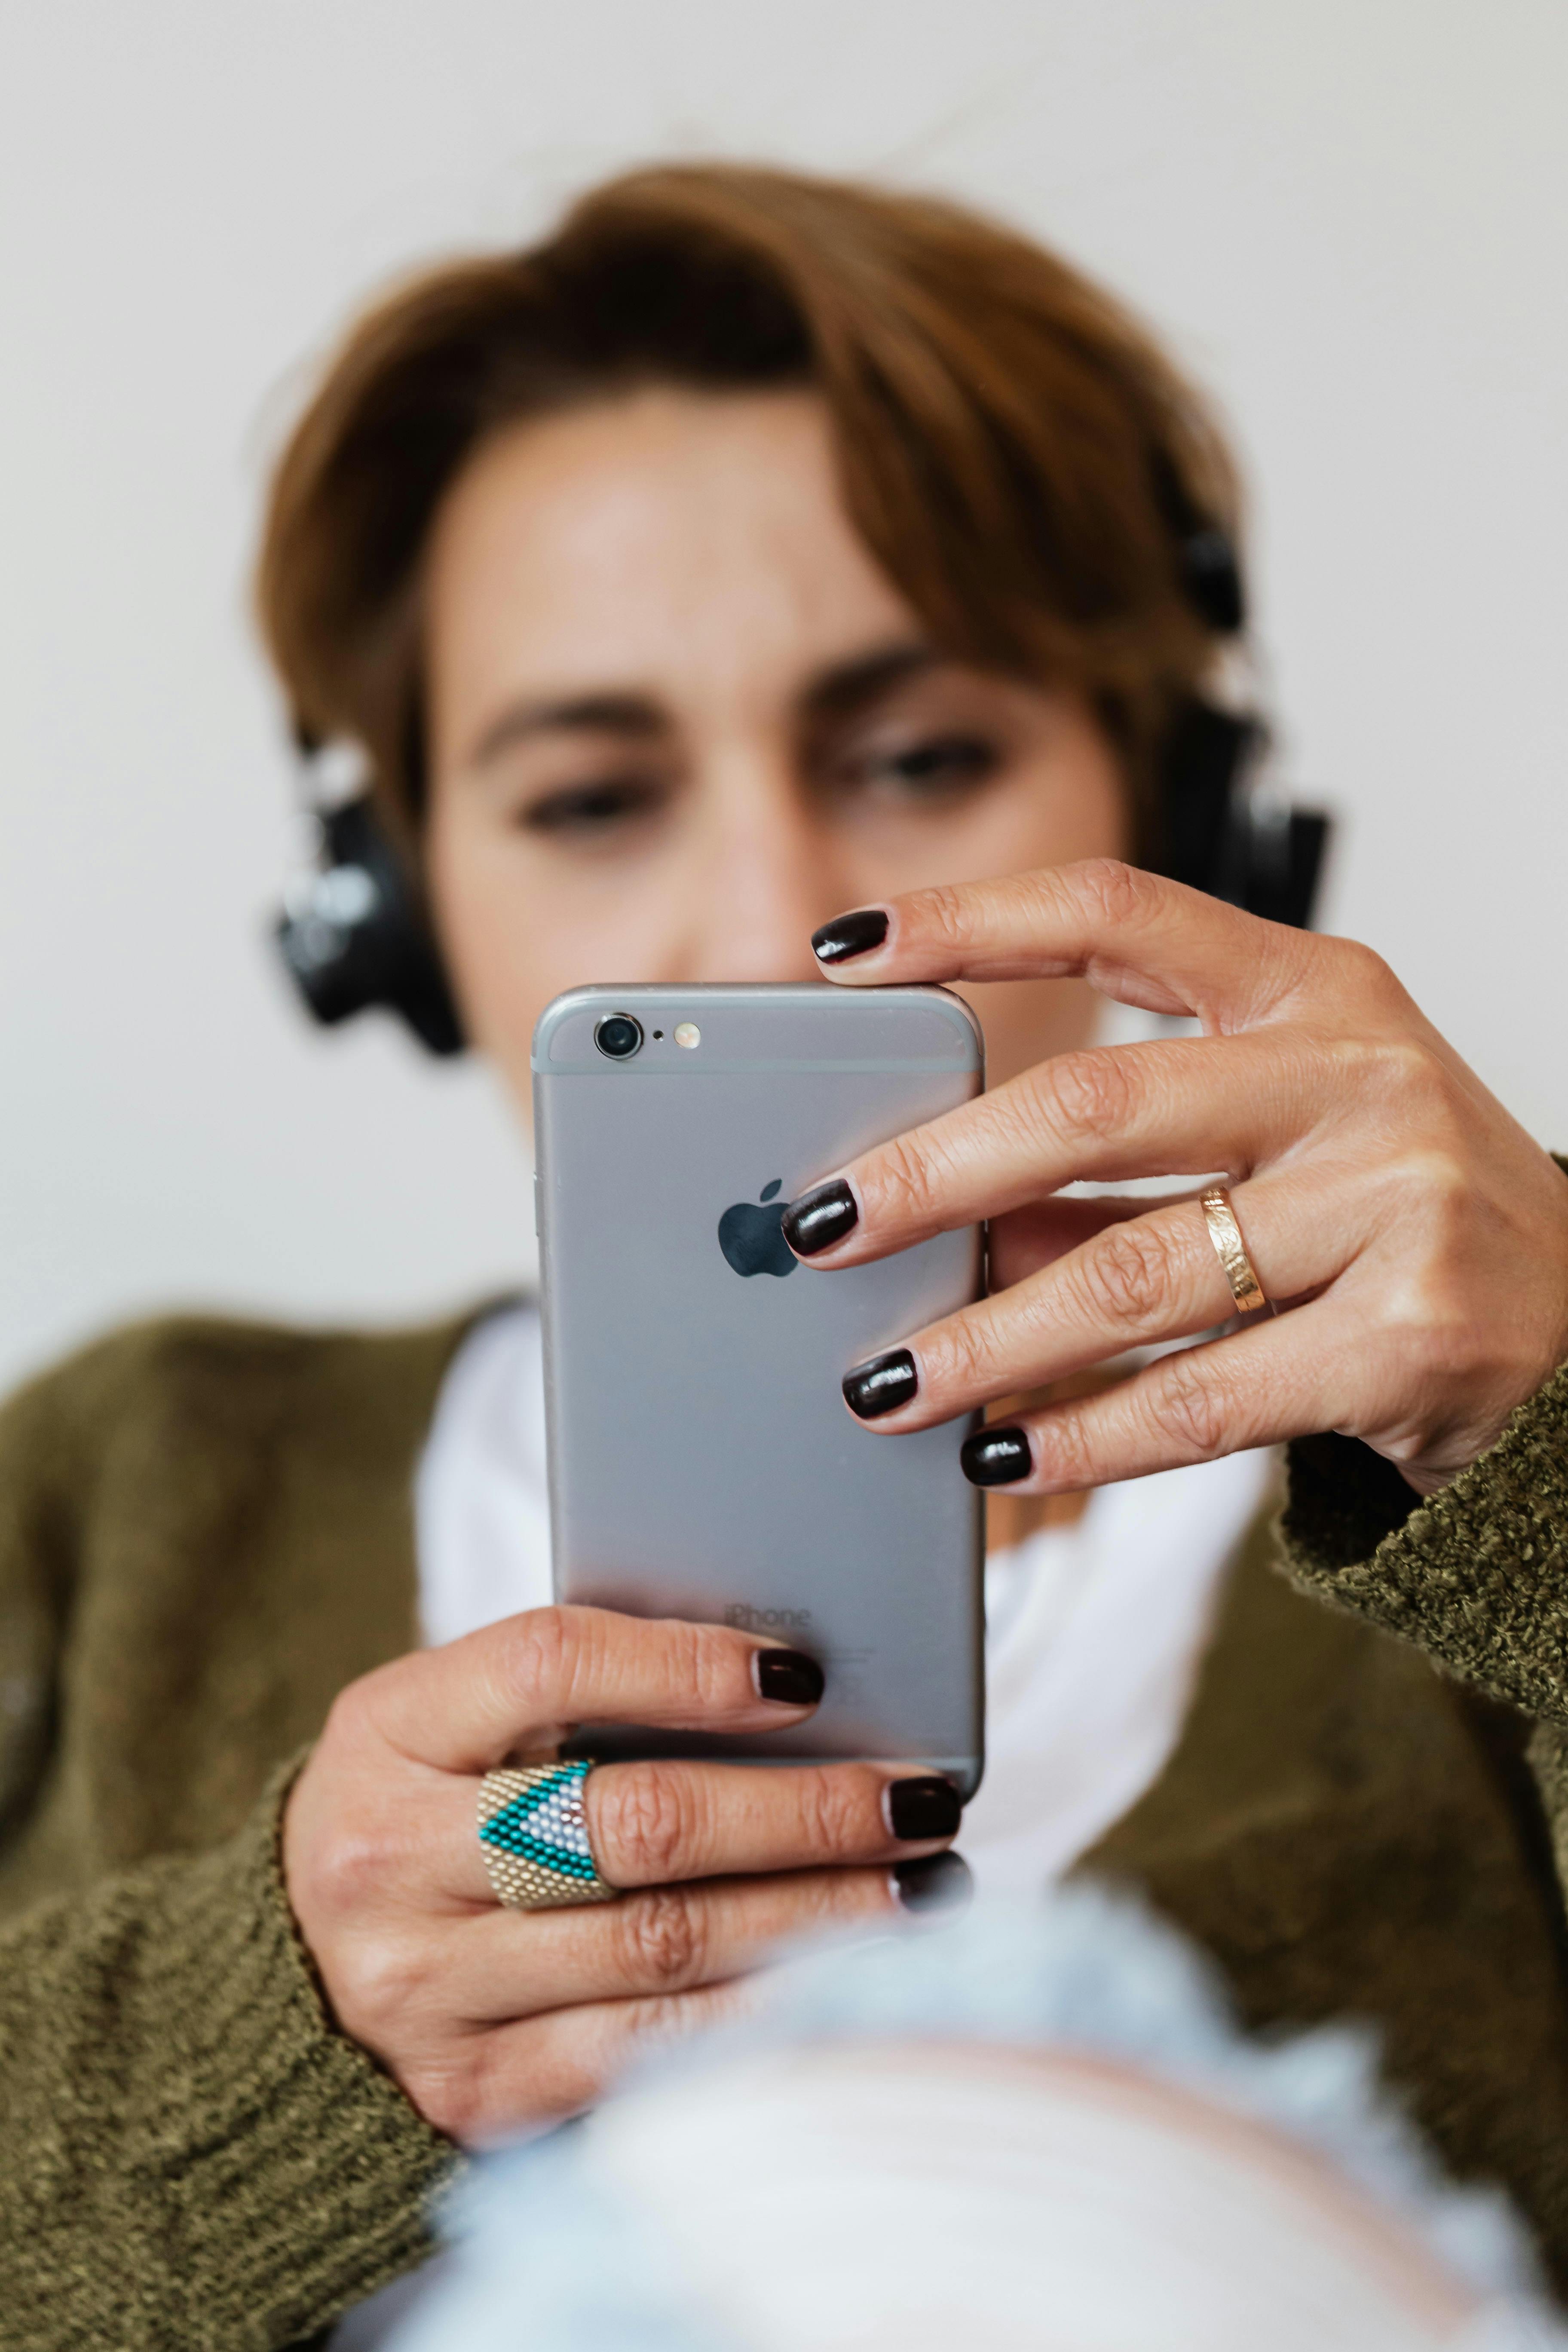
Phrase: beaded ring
(534, 1835)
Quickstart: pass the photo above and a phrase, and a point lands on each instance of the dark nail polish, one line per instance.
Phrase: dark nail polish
(820, 1217)
(936, 1882)
(996, 1457)
(881, 1385)
(849, 935)
(927, 1808)
(789, 1676)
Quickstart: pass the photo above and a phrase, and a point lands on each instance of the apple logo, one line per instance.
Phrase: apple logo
(751, 1238)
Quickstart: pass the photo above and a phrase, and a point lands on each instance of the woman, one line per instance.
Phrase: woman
(761, 559)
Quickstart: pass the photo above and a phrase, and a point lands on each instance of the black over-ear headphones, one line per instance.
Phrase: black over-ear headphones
(1212, 830)
(353, 930)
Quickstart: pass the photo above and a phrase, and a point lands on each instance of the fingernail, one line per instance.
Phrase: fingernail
(996, 1457)
(788, 1676)
(850, 935)
(927, 1808)
(820, 1217)
(881, 1385)
(935, 1882)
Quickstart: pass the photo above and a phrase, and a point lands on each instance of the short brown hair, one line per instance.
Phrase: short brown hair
(1010, 443)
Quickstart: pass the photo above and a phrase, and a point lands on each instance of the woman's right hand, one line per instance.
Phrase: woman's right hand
(492, 2020)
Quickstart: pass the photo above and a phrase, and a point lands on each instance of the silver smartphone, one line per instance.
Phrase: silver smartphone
(702, 1463)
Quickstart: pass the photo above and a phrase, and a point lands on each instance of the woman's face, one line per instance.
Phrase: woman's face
(679, 718)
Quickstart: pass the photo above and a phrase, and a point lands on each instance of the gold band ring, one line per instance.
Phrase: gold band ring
(1231, 1250)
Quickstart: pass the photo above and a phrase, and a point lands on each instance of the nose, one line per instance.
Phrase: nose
(769, 879)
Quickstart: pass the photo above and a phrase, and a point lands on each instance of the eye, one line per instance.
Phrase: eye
(934, 766)
(592, 810)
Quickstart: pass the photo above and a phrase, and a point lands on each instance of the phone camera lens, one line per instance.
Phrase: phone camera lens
(618, 1036)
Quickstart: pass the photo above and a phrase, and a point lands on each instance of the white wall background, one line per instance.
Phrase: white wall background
(1349, 215)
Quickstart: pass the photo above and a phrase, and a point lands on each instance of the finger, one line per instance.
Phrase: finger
(1132, 935)
(655, 1822)
(1103, 1114)
(651, 1824)
(1022, 1241)
(541, 2070)
(1278, 1380)
(1139, 1282)
(662, 1939)
(515, 1684)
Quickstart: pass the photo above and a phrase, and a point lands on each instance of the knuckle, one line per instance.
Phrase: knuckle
(704, 1664)
(542, 1656)
(698, 1664)
(350, 1867)
(831, 1816)
(1092, 1091)
(1190, 1409)
(665, 2018)
(350, 1718)
(646, 1821)
(906, 1179)
(1066, 1452)
(558, 1659)
(1115, 892)
(664, 1938)
(1401, 1084)
(830, 1899)
(1124, 1277)
(1439, 1182)
(1410, 1073)
(380, 1982)
(1360, 969)
(1439, 1335)
(452, 2092)
(1426, 1207)
(943, 913)
(960, 1356)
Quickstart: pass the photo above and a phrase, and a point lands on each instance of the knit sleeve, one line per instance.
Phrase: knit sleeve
(1477, 1574)
(192, 2154)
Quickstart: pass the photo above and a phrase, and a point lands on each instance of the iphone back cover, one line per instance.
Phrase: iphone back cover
(702, 1463)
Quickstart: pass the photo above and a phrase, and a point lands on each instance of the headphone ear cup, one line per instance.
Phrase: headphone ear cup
(1215, 837)
(355, 934)
(1203, 760)
(1211, 581)
(1280, 858)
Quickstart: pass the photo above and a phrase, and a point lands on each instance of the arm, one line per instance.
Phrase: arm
(189, 2152)
(1477, 1574)
(192, 2154)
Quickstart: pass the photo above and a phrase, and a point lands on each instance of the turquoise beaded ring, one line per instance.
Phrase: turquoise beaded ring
(534, 1835)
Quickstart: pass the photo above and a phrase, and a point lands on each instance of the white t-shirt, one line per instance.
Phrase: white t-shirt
(1093, 1632)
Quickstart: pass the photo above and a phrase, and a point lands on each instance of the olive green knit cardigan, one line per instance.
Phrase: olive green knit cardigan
(206, 1530)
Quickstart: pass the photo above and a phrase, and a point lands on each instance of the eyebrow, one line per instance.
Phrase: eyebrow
(634, 716)
(837, 692)
(847, 686)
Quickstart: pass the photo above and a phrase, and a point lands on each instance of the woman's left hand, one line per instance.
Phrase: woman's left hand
(1416, 1233)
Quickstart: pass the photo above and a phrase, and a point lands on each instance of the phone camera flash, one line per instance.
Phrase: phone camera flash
(688, 1033)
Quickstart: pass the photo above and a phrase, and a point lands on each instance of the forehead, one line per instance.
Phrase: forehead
(667, 536)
